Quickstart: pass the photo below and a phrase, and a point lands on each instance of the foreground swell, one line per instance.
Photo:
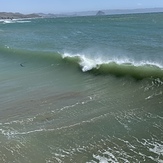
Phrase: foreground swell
(109, 137)
(106, 123)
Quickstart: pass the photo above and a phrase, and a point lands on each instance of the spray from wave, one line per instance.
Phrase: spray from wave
(93, 64)
(118, 67)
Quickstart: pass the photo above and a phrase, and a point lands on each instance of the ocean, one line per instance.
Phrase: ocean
(82, 89)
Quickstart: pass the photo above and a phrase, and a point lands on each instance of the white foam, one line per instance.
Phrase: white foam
(8, 21)
(21, 21)
(149, 63)
(157, 148)
(68, 55)
(87, 63)
(103, 159)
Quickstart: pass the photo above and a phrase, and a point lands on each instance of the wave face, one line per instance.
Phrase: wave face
(82, 89)
(117, 67)
(95, 65)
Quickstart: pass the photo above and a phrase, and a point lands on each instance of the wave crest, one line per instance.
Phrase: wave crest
(118, 67)
(94, 65)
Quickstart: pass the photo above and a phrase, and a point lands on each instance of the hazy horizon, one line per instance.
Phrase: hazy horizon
(63, 6)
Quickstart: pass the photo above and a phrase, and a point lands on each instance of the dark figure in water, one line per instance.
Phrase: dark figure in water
(21, 64)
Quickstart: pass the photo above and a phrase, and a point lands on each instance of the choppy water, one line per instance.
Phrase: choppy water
(82, 89)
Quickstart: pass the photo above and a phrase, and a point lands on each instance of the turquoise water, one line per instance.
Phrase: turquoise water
(82, 89)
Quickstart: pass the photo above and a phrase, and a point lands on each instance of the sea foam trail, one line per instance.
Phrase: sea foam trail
(9, 21)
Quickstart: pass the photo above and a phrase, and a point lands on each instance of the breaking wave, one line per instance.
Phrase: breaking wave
(118, 67)
(94, 65)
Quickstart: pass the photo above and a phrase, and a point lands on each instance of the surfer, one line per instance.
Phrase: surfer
(22, 64)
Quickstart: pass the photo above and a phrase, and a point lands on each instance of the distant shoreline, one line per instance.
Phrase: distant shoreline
(104, 12)
(10, 15)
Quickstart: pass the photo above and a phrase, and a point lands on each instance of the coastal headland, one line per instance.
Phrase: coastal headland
(102, 12)
(10, 15)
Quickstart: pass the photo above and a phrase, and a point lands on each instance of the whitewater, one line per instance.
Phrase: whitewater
(82, 89)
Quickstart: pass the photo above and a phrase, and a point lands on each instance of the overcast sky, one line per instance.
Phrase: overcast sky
(60, 6)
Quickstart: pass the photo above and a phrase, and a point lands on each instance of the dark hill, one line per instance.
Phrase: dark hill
(10, 15)
(100, 13)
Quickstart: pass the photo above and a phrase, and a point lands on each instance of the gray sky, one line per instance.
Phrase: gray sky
(60, 6)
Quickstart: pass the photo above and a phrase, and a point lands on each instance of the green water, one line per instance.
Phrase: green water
(82, 89)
